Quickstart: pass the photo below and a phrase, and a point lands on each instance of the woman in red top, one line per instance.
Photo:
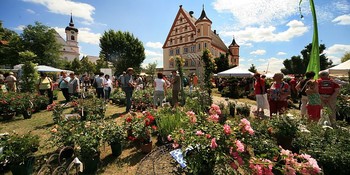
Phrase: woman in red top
(279, 92)
(260, 95)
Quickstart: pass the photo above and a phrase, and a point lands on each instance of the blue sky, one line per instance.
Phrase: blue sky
(268, 31)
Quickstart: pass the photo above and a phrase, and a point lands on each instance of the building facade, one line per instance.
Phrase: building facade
(70, 48)
(189, 37)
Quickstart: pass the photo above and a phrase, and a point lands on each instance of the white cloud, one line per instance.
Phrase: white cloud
(281, 53)
(261, 60)
(155, 45)
(152, 57)
(261, 12)
(85, 35)
(269, 34)
(258, 52)
(30, 11)
(20, 27)
(66, 7)
(335, 59)
(342, 20)
(272, 65)
(337, 49)
(341, 5)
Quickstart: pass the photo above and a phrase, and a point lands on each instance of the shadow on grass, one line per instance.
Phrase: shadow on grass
(132, 159)
(117, 115)
(44, 126)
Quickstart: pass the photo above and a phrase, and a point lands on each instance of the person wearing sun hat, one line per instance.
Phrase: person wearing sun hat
(10, 81)
(128, 87)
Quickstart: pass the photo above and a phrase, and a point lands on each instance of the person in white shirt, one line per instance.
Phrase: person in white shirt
(107, 86)
(159, 90)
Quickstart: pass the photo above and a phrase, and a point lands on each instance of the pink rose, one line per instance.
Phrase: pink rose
(227, 129)
(169, 138)
(199, 133)
(240, 146)
(213, 144)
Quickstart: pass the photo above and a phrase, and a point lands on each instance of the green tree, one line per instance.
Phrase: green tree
(298, 64)
(209, 67)
(345, 57)
(151, 69)
(30, 74)
(101, 63)
(87, 66)
(252, 69)
(222, 63)
(76, 66)
(122, 49)
(41, 40)
(11, 45)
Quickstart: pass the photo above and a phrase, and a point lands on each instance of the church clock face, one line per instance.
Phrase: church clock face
(72, 32)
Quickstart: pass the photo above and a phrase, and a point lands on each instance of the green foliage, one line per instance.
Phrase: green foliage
(9, 51)
(329, 146)
(243, 110)
(29, 77)
(209, 67)
(87, 66)
(343, 103)
(168, 122)
(221, 63)
(101, 63)
(298, 64)
(122, 49)
(151, 69)
(18, 148)
(284, 126)
(41, 40)
(252, 69)
(76, 66)
(113, 133)
(345, 57)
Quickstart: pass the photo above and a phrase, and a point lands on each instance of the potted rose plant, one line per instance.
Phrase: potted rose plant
(18, 152)
(139, 129)
(114, 135)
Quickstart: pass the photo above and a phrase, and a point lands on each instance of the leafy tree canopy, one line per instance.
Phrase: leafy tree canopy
(40, 39)
(122, 49)
(346, 57)
(252, 69)
(298, 64)
(151, 69)
(222, 63)
(10, 47)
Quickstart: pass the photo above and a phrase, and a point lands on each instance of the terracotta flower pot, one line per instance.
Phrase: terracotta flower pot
(146, 147)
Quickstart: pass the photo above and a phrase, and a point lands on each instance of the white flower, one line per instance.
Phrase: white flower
(326, 127)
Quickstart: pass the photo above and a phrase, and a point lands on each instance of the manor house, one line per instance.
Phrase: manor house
(189, 37)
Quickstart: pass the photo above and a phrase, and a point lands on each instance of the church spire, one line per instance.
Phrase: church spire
(71, 20)
(203, 15)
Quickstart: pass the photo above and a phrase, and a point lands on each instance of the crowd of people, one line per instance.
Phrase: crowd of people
(314, 95)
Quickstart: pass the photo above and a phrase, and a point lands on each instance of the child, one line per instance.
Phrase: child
(314, 105)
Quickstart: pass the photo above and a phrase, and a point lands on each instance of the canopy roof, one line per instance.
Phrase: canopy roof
(43, 68)
(341, 69)
(235, 72)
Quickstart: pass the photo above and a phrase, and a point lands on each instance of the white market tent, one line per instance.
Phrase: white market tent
(341, 70)
(235, 72)
(43, 68)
